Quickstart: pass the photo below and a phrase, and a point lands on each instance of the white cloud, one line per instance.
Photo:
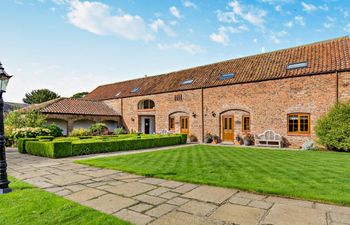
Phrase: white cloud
(222, 34)
(187, 47)
(96, 18)
(175, 12)
(251, 14)
(263, 49)
(324, 7)
(189, 4)
(159, 24)
(329, 23)
(276, 36)
(308, 7)
(226, 17)
(278, 8)
(347, 28)
(255, 40)
(289, 24)
(299, 20)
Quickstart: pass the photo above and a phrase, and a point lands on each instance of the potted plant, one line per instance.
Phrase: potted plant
(248, 139)
(208, 138)
(215, 139)
(193, 138)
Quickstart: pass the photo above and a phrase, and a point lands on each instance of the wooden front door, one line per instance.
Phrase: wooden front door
(228, 133)
(184, 125)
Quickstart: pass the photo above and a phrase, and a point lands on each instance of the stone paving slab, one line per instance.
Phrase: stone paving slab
(180, 218)
(210, 194)
(134, 217)
(144, 200)
(281, 214)
(85, 194)
(198, 208)
(110, 203)
(237, 214)
(130, 189)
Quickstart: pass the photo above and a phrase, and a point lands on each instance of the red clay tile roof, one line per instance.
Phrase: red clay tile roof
(73, 106)
(322, 57)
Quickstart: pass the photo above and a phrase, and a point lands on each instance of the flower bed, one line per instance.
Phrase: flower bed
(74, 146)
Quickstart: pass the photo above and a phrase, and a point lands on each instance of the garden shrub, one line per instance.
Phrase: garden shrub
(333, 129)
(49, 149)
(55, 130)
(79, 132)
(183, 138)
(22, 144)
(30, 132)
(98, 129)
(119, 130)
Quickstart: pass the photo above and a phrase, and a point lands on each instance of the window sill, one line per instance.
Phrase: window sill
(306, 135)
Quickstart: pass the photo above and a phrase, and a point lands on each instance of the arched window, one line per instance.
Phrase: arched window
(146, 104)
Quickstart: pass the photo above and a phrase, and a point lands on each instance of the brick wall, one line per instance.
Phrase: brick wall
(268, 104)
(344, 86)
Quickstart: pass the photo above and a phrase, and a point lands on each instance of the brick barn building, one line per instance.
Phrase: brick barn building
(285, 91)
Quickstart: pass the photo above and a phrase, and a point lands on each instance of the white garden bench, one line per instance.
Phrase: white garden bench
(268, 139)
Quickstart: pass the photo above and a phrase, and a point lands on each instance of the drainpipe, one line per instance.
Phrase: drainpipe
(337, 91)
(202, 117)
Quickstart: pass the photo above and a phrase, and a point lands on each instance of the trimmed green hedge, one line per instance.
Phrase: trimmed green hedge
(22, 144)
(93, 147)
(59, 148)
(49, 148)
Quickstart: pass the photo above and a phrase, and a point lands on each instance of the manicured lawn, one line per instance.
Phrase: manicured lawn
(29, 205)
(323, 176)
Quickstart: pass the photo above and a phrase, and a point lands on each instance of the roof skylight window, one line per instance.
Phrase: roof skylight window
(297, 65)
(135, 90)
(186, 82)
(227, 76)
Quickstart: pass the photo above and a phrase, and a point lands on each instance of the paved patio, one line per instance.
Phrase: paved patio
(143, 200)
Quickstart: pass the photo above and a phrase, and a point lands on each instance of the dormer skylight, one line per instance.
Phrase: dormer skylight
(135, 90)
(227, 76)
(186, 82)
(298, 65)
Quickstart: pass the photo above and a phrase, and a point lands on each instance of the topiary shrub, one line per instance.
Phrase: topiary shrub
(333, 129)
(98, 129)
(22, 144)
(49, 149)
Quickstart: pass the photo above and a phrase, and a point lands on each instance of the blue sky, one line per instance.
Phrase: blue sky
(75, 45)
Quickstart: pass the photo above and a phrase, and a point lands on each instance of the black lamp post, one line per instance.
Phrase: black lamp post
(4, 183)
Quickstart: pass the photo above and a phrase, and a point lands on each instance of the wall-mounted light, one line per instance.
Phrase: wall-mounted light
(213, 114)
(194, 115)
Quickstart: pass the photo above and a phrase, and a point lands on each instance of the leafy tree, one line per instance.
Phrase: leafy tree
(79, 95)
(333, 129)
(39, 96)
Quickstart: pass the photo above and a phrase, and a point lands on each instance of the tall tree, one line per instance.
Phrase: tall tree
(79, 95)
(39, 96)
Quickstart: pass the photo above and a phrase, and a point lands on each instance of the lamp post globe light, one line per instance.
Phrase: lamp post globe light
(4, 183)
